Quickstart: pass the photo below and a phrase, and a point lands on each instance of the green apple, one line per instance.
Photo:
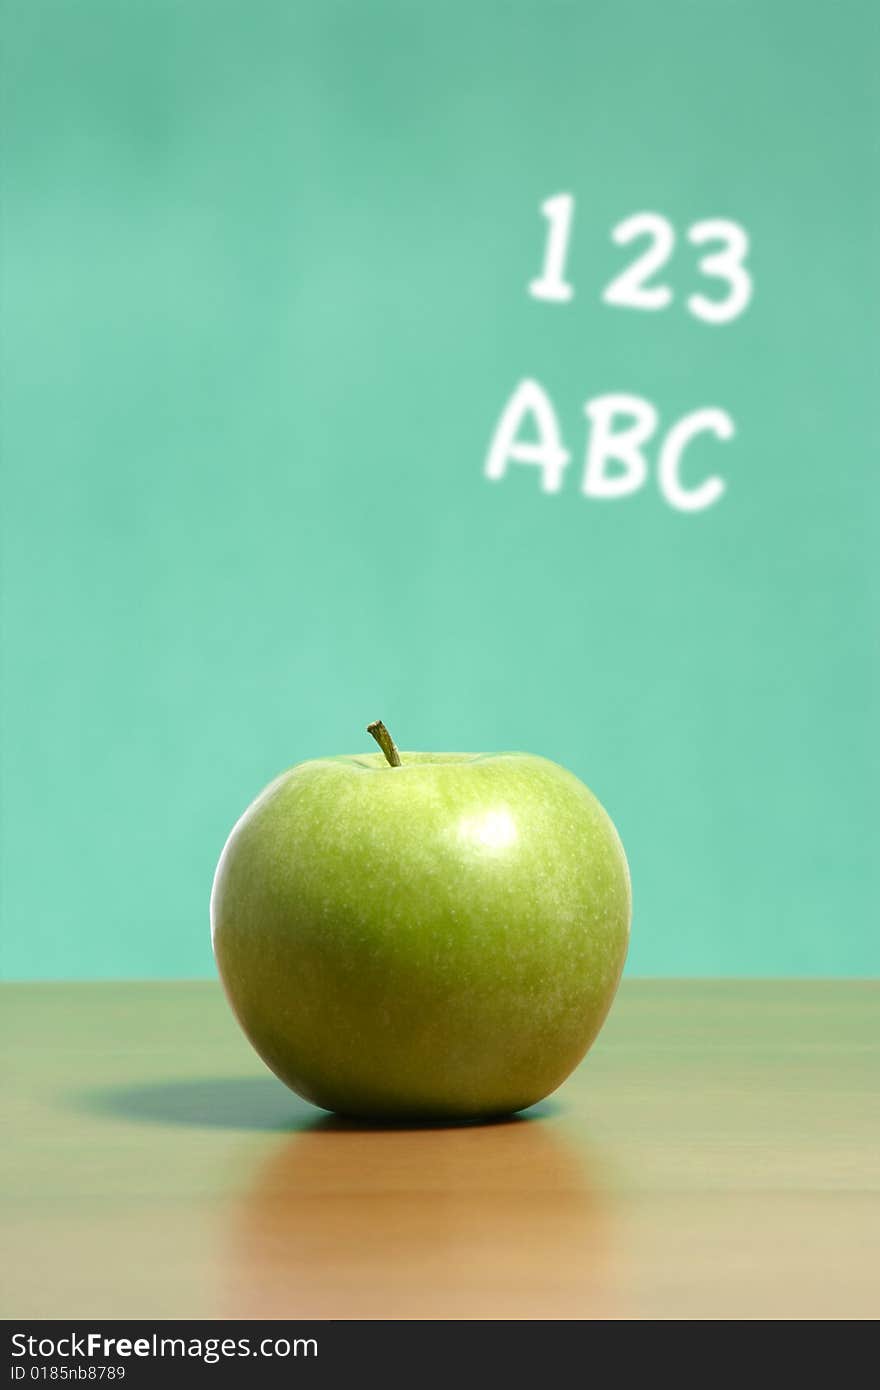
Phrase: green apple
(422, 935)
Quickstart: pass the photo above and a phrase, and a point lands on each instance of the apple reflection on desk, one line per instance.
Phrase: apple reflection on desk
(343, 1220)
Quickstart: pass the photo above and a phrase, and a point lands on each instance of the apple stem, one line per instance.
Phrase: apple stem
(385, 741)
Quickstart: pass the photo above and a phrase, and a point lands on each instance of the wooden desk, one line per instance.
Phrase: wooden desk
(716, 1156)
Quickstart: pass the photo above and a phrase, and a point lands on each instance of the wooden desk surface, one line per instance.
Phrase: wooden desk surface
(716, 1156)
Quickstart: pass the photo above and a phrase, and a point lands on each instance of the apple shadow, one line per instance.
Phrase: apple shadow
(212, 1102)
(256, 1103)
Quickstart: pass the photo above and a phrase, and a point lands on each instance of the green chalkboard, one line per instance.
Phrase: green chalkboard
(504, 370)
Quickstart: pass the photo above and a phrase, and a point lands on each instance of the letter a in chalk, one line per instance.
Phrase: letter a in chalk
(547, 452)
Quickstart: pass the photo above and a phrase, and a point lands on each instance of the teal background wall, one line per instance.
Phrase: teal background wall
(264, 297)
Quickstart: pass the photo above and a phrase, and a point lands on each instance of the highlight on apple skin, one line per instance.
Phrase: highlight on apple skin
(422, 935)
